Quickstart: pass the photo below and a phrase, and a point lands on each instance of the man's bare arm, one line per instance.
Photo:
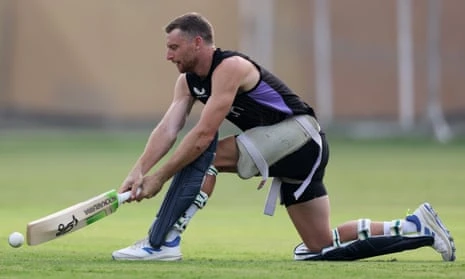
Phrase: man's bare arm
(226, 80)
(165, 133)
(163, 136)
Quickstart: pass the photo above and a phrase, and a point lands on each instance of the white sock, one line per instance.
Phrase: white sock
(407, 227)
(172, 234)
(199, 202)
(387, 228)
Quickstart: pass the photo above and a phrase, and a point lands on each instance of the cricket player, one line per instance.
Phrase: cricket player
(281, 138)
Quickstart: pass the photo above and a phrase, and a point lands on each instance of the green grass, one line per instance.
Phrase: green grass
(231, 238)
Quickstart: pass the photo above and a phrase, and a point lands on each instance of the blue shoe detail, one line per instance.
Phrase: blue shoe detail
(414, 219)
(151, 250)
(175, 242)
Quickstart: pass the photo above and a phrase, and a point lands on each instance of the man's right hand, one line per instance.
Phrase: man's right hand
(133, 180)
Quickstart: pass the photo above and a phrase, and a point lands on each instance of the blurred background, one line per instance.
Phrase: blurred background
(370, 68)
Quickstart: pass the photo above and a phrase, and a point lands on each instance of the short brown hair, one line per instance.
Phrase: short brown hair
(192, 24)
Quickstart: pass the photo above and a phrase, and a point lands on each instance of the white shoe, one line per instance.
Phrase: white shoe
(302, 253)
(428, 223)
(143, 251)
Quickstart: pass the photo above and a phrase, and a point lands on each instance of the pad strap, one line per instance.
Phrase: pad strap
(336, 238)
(200, 202)
(396, 227)
(314, 130)
(364, 228)
(201, 199)
(212, 171)
(257, 158)
(270, 203)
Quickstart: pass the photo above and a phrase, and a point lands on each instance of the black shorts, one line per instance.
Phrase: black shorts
(298, 165)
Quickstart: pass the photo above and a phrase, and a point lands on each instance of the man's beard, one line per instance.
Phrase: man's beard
(187, 66)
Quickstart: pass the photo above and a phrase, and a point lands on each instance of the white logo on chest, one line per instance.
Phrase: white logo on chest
(199, 92)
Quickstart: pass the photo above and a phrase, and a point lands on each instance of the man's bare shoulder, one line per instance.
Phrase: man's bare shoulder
(181, 88)
(235, 66)
(236, 61)
(240, 69)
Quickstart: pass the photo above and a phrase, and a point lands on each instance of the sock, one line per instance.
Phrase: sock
(409, 227)
(199, 203)
(174, 232)
(406, 227)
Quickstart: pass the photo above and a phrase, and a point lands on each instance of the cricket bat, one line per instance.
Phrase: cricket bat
(74, 217)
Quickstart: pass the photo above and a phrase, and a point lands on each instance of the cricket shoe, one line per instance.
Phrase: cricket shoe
(302, 253)
(428, 223)
(143, 251)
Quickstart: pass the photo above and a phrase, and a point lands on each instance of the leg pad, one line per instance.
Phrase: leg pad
(371, 247)
(183, 190)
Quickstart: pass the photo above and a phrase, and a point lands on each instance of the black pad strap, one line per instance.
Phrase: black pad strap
(371, 247)
(181, 194)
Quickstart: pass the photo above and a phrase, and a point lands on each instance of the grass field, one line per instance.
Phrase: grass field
(230, 238)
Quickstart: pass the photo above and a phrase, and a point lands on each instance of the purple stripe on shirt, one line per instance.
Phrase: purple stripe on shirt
(267, 96)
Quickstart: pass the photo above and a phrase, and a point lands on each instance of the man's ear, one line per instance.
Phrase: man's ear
(198, 41)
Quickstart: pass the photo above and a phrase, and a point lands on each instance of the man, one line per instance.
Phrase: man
(280, 132)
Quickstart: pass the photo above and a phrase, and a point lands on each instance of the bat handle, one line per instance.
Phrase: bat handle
(126, 195)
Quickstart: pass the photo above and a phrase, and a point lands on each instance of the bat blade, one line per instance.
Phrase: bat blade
(74, 217)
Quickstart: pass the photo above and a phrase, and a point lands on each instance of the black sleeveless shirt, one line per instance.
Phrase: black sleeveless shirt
(269, 102)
